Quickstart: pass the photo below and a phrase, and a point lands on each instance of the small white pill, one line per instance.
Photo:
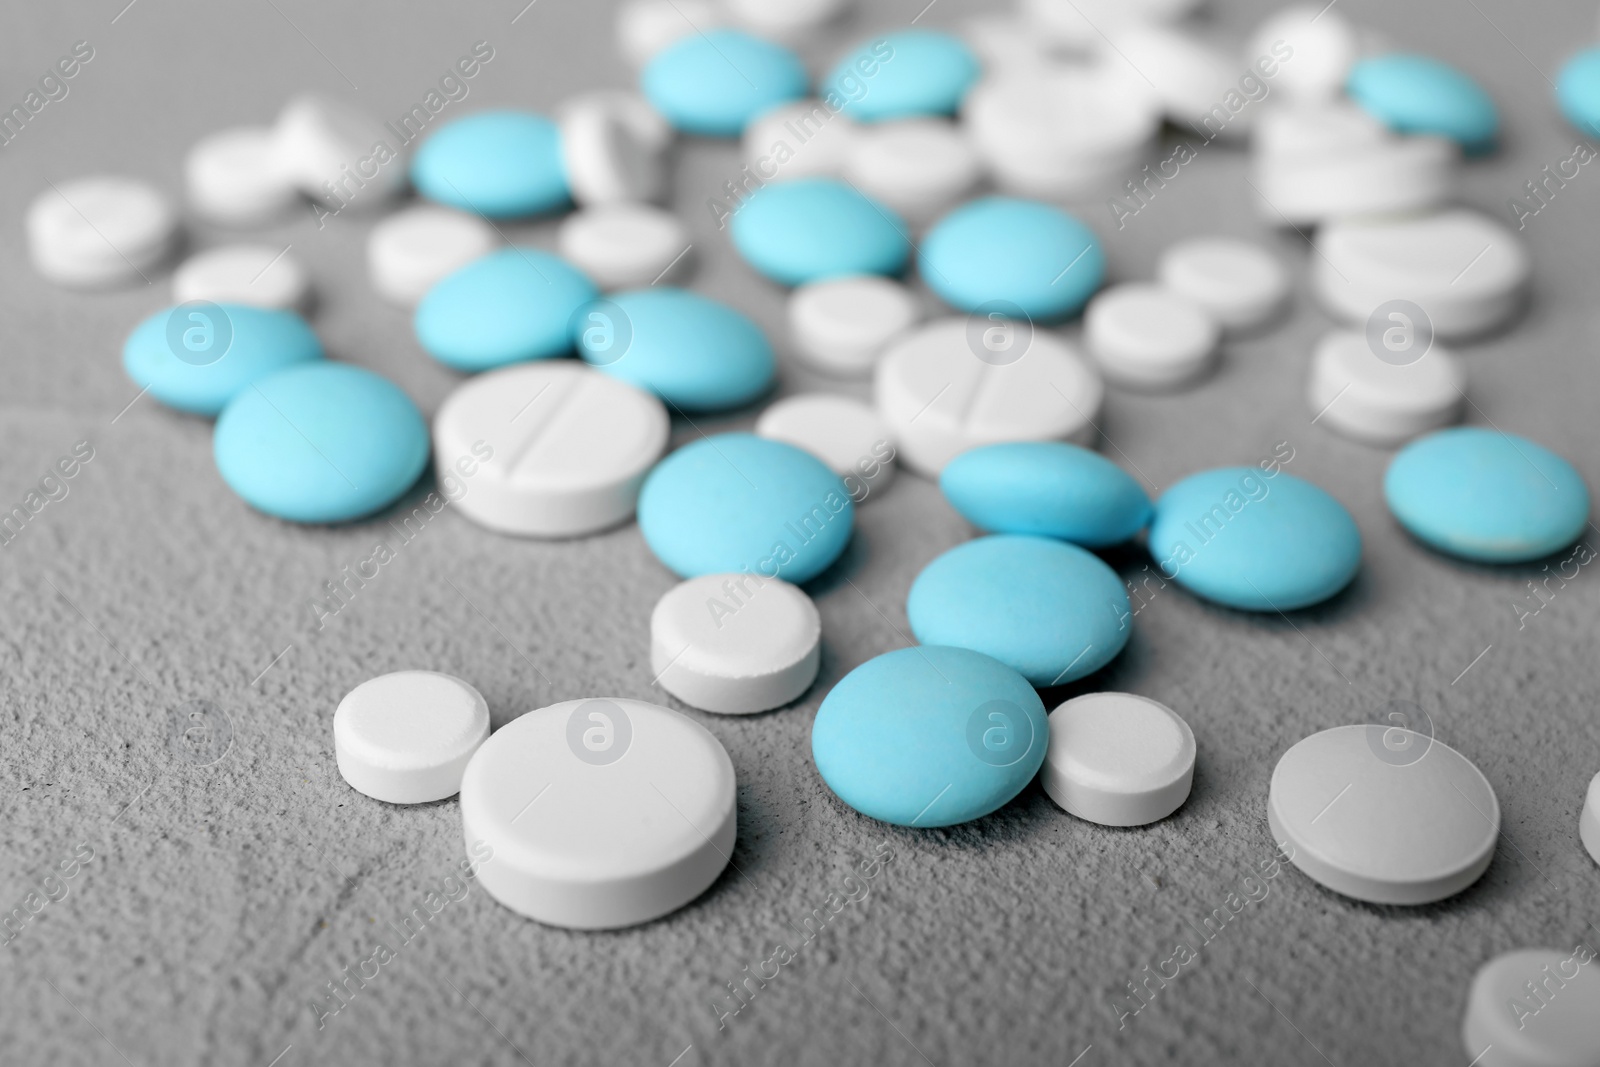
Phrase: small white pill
(625, 246)
(917, 167)
(1187, 76)
(1081, 24)
(1146, 336)
(1117, 759)
(1589, 820)
(785, 20)
(99, 232)
(599, 813)
(847, 435)
(1321, 49)
(635, 111)
(1402, 174)
(233, 178)
(259, 275)
(608, 159)
(326, 148)
(1316, 129)
(842, 325)
(406, 737)
(1242, 285)
(735, 643)
(804, 139)
(645, 27)
(409, 251)
(1535, 1008)
(1006, 41)
(1387, 399)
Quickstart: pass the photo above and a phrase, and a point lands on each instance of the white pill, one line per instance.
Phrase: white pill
(1117, 759)
(847, 435)
(406, 737)
(960, 382)
(785, 20)
(326, 148)
(735, 643)
(1589, 820)
(233, 178)
(1383, 814)
(645, 27)
(1316, 128)
(607, 159)
(409, 251)
(625, 246)
(918, 167)
(599, 813)
(1242, 285)
(1402, 174)
(1387, 399)
(1146, 336)
(1535, 1008)
(99, 232)
(1006, 41)
(842, 325)
(1187, 76)
(803, 139)
(1322, 48)
(635, 111)
(551, 448)
(1082, 23)
(259, 275)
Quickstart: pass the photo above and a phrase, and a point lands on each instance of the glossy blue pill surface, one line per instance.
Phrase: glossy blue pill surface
(1578, 91)
(713, 83)
(1254, 541)
(902, 75)
(1419, 94)
(1012, 256)
(813, 228)
(737, 502)
(1046, 488)
(198, 356)
(321, 443)
(929, 736)
(503, 164)
(1487, 496)
(506, 307)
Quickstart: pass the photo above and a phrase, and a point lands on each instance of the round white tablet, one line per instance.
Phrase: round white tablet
(645, 27)
(803, 139)
(1148, 337)
(1322, 48)
(233, 178)
(847, 435)
(551, 448)
(735, 643)
(1589, 820)
(1004, 41)
(325, 147)
(1240, 284)
(1187, 75)
(406, 737)
(843, 325)
(625, 246)
(409, 251)
(785, 20)
(646, 123)
(607, 160)
(1117, 759)
(917, 167)
(243, 274)
(1384, 399)
(99, 232)
(1383, 814)
(1535, 1008)
(1306, 128)
(599, 813)
(1398, 175)
(1081, 24)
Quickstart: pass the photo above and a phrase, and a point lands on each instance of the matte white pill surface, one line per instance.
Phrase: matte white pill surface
(99, 232)
(1187, 75)
(326, 148)
(917, 167)
(406, 737)
(1535, 1008)
(1589, 820)
(1147, 336)
(843, 325)
(804, 139)
(847, 435)
(785, 20)
(412, 249)
(1321, 47)
(1390, 176)
(1082, 24)
(1315, 128)
(645, 27)
(1118, 759)
(625, 246)
(233, 178)
(1241, 284)
(608, 158)
(260, 275)
(635, 111)
(1383, 399)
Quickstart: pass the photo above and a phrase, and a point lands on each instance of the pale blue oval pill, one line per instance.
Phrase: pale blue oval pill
(1046, 488)
(1254, 541)
(1578, 91)
(736, 502)
(1486, 496)
(1012, 256)
(197, 356)
(321, 443)
(813, 228)
(713, 83)
(929, 736)
(902, 75)
(1049, 610)
(508, 306)
(693, 352)
(1420, 95)
(503, 164)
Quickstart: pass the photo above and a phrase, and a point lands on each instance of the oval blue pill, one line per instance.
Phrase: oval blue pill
(714, 83)
(197, 356)
(902, 75)
(1487, 496)
(1046, 488)
(1012, 256)
(324, 442)
(1578, 91)
(1047, 609)
(813, 228)
(929, 736)
(1255, 541)
(503, 164)
(737, 502)
(1419, 94)
(691, 351)
(506, 307)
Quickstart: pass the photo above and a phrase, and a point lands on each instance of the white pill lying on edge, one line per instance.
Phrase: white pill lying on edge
(406, 737)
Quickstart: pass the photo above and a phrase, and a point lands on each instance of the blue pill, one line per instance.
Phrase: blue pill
(503, 164)
(1578, 91)
(1046, 488)
(737, 502)
(506, 307)
(1049, 610)
(1014, 258)
(929, 736)
(902, 75)
(197, 356)
(1419, 94)
(691, 351)
(321, 443)
(813, 228)
(1256, 541)
(714, 83)
(1487, 496)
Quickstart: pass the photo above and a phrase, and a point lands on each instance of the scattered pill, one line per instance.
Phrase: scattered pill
(233, 178)
(499, 164)
(1083, 23)
(1148, 337)
(844, 433)
(1118, 760)
(633, 110)
(648, 27)
(1191, 79)
(1388, 177)
(1384, 399)
(1018, 257)
(1589, 820)
(712, 83)
(814, 228)
(786, 20)
(198, 358)
(259, 275)
(410, 251)
(100, 232)
(336, 154)
(1240, 284)
(1047, 489)
(842, 325)
(1421, 95)
(1578, 91)
(1316, 129)
(512, 305)
(802, 139)
(1535, 1007)
(918, 168)
(607, 158)
(906, 74)
(625, 246)
(1310, 50)
(406, 737)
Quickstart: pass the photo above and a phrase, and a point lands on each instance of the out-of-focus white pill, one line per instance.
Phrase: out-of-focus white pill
(607, 159)
(1148, 336)
(233, 178)
(1402, 174)
(99, 232)
(405, 738)
(1589, 820)
(803, 139)
(326, 148)
(1321, 47)
(1118, 760)
(1315, 128)
(633, 110)
(1535, 1008)
(847, 435)
(1188, 77)
(785, 20)
(645, 27)
(1383, 399)
(625, 246)
(243, 274)
(916, 167)
(843, 325)
(1241, 284)
(1081, 24)
(413, 248)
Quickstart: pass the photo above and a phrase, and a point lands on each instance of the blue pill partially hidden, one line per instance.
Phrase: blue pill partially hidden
(714, 83)
(1578, 91)
(1013, 257)
(1420, 95)
(929, 736)
(503, 164)
(903, 75)
(814, 228)
(513, 305)
(1046, 488)
(198, 356)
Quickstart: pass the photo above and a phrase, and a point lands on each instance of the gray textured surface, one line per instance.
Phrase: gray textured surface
(221, 899)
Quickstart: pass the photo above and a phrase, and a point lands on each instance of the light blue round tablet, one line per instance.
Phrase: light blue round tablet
(503, 164)
(1046, 488)
(508, 306)
(1258, 542)
(1578, 91)
(929, 736)
(1049, 610)
(902, 75)
(321, 443)
(1419, 94)
(691, 351)
(1012, 256)
(197, 356)
(813, 228)
(713, 83)
(1487, 496)
(737, 502)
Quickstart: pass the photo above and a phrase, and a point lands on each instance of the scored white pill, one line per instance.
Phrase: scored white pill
(625, 246)
(803, 139)
(1535, 1008)
(916, 167)
(846, 434)
(1388, 398)
(607, 158)
(99, 232)
(1148, 337)
(329, 150)
(409, 251)
(547, 449)
(1589, 820)
(599, 813)
(233, 178)
(645, 27)
(735, 643)
(842, 325)
(406, 737)
(1241, 284)
(1118, 759)
(259, 275)
(1383, 814)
